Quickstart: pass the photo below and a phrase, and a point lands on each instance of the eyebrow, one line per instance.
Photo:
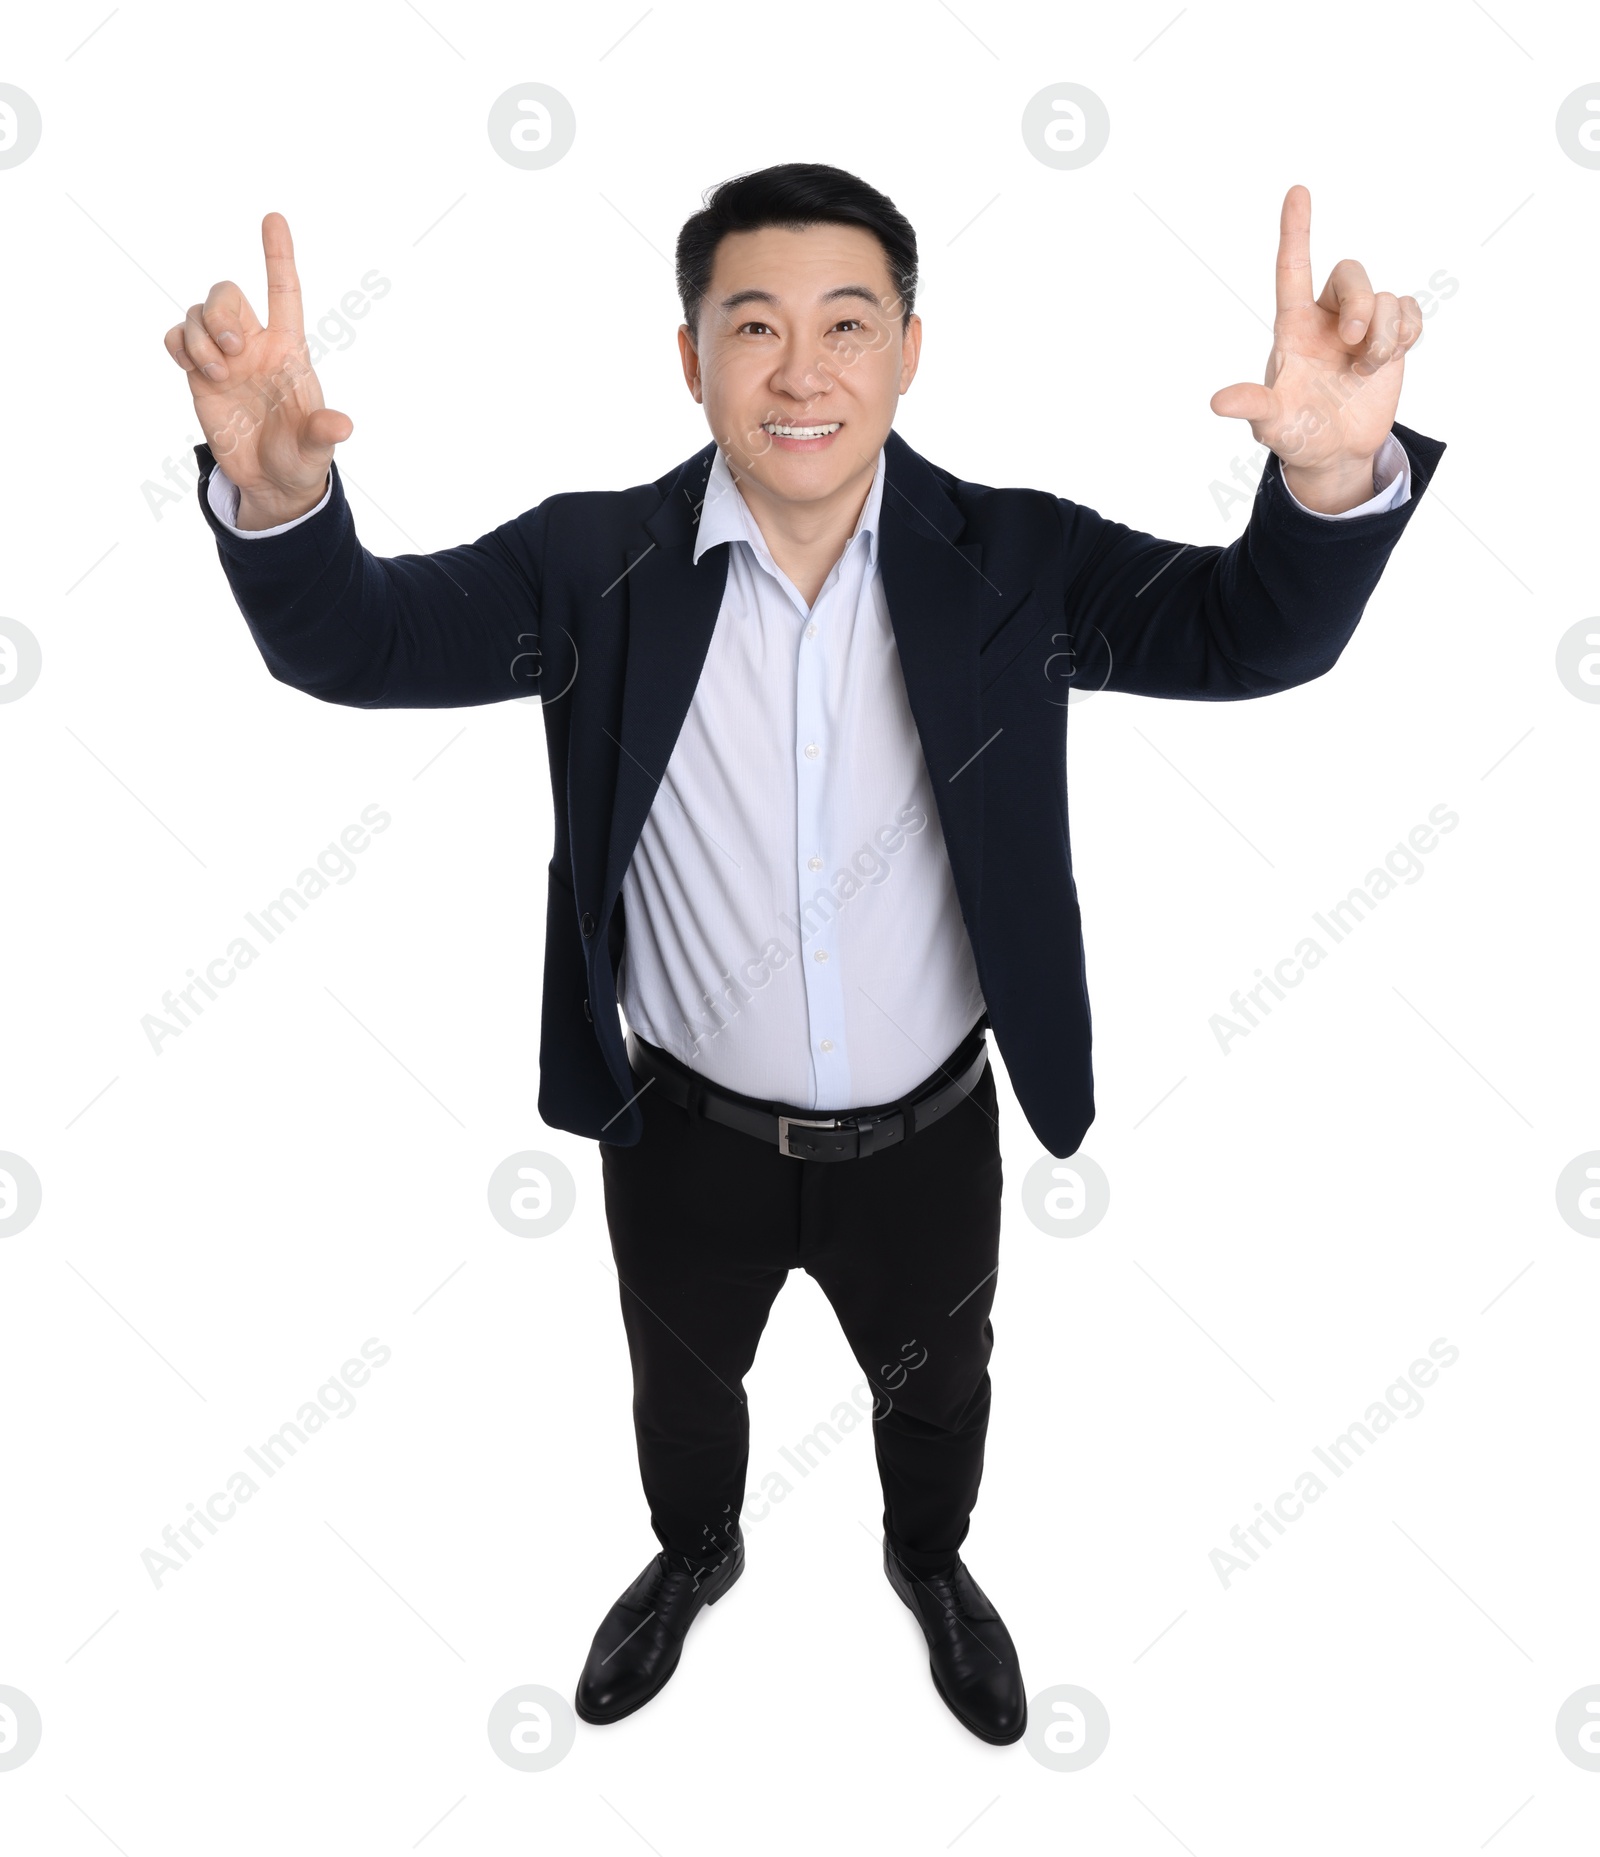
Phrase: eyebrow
(828, 296)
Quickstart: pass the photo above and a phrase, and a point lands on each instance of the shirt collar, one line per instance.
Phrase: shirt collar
(726, 517)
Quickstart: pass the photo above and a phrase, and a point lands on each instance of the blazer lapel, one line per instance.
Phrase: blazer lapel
(672, 608)
(936, 589)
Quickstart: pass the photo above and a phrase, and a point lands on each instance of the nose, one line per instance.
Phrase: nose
(802, 374)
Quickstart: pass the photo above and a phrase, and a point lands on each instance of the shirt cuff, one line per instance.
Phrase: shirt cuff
(1391, 468)
(222, 493)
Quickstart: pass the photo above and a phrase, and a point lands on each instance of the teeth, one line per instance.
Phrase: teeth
(802, 431)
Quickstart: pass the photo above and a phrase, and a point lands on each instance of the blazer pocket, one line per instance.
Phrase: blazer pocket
(1010, 638)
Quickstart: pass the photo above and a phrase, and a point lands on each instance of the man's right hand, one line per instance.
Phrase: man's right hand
(257, 398)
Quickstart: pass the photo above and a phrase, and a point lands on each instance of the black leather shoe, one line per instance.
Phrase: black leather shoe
(640, 1639)
(974, 1663)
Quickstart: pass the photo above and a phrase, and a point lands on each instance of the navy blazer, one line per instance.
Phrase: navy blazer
(1002, 601)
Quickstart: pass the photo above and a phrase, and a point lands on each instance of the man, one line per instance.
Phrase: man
(805, 702)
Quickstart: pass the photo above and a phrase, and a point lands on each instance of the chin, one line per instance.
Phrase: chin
(802, 476)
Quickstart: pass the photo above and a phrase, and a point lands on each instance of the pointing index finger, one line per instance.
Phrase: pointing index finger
(1294, 251)
(284, 311)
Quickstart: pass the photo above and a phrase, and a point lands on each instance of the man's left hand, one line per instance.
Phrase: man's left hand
(1333, 377)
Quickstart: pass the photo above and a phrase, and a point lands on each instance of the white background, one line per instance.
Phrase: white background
(224, 1224)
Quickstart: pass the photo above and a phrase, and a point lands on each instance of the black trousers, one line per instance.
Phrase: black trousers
(707, 1222)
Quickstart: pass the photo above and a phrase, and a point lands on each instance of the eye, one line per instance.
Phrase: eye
(850, 319)
(751, 325)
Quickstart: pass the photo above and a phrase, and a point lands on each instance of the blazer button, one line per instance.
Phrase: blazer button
(586, 1012)
(587, 925)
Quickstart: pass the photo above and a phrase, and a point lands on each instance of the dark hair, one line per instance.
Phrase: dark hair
(794, 195)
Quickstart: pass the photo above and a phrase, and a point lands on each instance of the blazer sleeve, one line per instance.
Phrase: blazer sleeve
(1272, 609)
(418, 631)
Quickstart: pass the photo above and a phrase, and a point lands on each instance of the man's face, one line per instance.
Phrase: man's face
(800, 329)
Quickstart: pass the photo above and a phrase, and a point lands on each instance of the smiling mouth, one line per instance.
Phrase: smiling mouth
(779, 429)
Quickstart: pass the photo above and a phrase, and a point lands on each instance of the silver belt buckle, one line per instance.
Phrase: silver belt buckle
(786, 1122)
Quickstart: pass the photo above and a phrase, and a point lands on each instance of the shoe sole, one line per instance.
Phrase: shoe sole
(601, 1721)
(972, 1728)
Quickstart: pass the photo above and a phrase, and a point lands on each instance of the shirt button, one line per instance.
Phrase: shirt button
(827, 1044)
(813, 863)
(812, 751)
(811, 631)
(820, 955)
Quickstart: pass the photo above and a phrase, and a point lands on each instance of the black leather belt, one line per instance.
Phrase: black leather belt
(844, 1137)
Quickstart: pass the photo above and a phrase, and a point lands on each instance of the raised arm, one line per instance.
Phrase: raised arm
(1277, 606)
(1273, 608)
(430, 631)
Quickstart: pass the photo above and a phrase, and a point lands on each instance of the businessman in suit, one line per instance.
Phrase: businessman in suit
(805, 705)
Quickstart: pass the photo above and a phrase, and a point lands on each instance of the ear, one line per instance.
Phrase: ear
(691, 361)
(910, 350)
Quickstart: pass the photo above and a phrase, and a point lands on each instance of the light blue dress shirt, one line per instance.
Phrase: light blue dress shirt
(801, 938)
